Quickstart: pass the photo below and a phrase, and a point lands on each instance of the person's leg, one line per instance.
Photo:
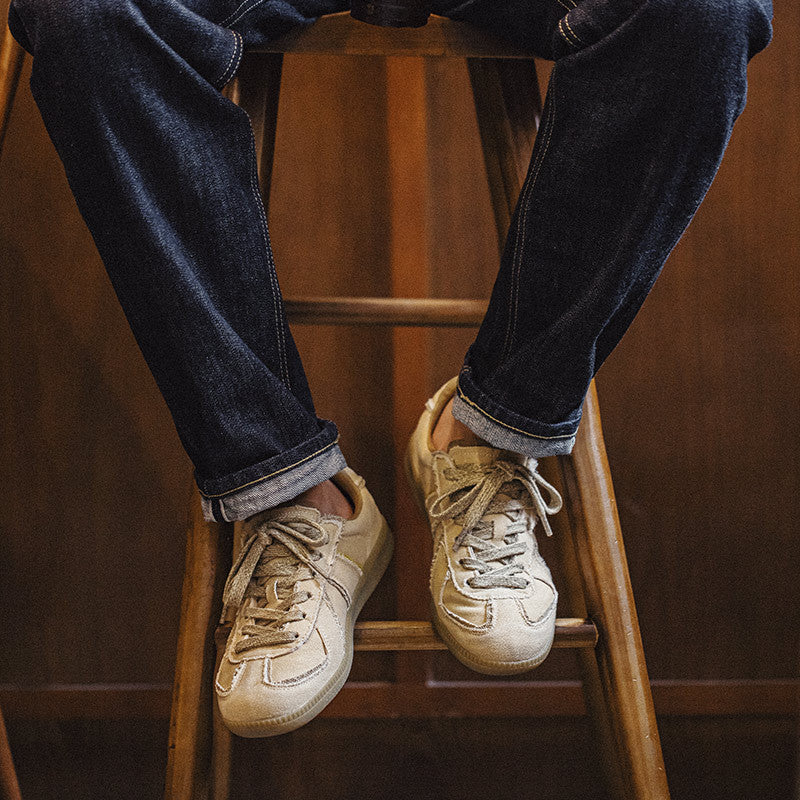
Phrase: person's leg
(640, 107)
(162, 167)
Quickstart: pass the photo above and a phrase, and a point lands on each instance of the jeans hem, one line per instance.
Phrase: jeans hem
(510, 437)
(274, 489)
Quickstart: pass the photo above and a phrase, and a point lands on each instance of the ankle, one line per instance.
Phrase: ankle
(327, 498)
(448, 430)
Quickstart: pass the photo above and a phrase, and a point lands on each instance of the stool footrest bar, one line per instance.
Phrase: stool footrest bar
(418, 635)
(406, 311)
(414, 635)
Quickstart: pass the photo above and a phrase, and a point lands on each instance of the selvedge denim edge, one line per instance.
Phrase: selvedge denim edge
(275, 488)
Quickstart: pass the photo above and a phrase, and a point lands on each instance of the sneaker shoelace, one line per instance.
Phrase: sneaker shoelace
(473, 494)
(284, 551)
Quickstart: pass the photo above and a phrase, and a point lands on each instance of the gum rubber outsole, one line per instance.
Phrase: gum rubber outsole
(274, 726)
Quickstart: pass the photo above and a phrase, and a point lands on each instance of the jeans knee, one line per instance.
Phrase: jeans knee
(702, 34)
(721, 30)
(709, 43)
(68, 26)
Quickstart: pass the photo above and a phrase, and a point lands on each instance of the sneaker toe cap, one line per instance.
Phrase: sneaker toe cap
(269, 696)
(517, 637)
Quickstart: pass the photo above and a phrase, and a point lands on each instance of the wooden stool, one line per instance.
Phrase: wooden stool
(597, 591)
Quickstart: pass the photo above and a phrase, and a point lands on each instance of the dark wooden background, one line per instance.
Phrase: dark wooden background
(700, 412)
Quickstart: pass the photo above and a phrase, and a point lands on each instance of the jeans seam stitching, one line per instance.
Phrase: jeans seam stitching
(521, 232)
(578, 42)
(563, 33)
(233, 62)
(522, 238)
(271, 271)
(239, 13)
(466, 399)
(272, 474)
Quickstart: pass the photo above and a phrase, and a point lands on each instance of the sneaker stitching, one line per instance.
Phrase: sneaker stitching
(460, 620)
(303, 677)
(336, 617)
(545, 618)
(237, 673)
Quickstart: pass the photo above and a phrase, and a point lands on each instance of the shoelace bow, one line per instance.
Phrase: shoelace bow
(277, 549)
(483, 483)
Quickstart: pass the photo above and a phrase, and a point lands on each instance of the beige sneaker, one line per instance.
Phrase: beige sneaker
(494, 602)
(299, 582)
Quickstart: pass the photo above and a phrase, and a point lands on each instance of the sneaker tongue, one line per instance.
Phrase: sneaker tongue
(283, 513)
(463, 454)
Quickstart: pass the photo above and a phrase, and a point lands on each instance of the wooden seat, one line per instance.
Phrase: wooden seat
(597, 591)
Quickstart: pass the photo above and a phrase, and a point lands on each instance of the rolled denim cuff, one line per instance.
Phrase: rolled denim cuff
(483, 417)
(275, 488)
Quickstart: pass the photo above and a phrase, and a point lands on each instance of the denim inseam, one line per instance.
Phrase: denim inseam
(640, 107)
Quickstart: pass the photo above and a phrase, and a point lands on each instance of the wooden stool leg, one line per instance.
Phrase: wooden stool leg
(617, 690)
(207, 558)
(616, 682)
(9, 787)
(222, 738)
(256, 88)
(573, 601)
(11, 59)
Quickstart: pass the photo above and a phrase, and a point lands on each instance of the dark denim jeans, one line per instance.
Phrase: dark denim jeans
(640, 107)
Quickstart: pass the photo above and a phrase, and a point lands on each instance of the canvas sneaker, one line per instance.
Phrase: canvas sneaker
(493, 598)
(298, 584)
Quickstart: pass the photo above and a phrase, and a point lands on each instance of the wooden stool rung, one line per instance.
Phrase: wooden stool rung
(397, 311)
(413, 635)
(388, 635)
